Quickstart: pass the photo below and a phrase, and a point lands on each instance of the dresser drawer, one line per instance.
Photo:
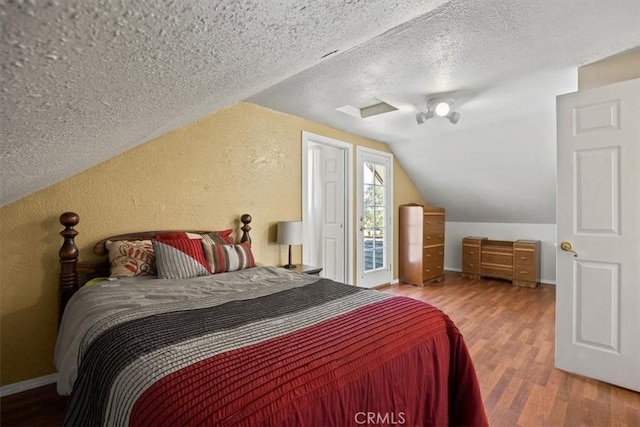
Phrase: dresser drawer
(434, 222)
(471, 251)
(432, 269)
(531, 245)
(524, 257)
(497, 258)
(500, 272)
(433, 237)
(433, 254)
(470, 263)
(525, 274)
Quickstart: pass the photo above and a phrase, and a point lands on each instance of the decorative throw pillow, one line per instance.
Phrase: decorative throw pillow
(178, 235)
(221, 258)
(180, 258)
(130, 258)
(219, 237)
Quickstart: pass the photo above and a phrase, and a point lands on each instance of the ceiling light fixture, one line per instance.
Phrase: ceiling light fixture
(440, 108)
(421, 117)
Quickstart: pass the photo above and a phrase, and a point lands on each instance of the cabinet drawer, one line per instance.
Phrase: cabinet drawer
(433, 237)
(525, 258)
(470, 263)
(532, 245)
(434, 254)
(432, 270)
(525, 274)
(500, 272)
(434, 223)
(497, 258)
(471, 251)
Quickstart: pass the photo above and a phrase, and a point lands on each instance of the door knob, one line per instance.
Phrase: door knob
(567, 247)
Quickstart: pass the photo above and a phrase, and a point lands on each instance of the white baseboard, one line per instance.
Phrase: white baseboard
(544, 281)
(27, 385)
(395, 282)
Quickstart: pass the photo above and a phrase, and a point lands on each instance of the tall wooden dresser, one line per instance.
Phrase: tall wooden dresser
(421, 252)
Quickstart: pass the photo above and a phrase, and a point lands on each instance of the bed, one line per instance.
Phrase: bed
(252, 346)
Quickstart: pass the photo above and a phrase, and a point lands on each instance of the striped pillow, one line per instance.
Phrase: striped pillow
(174, 235)
(221, 258)
(222, 237)
(180, 258)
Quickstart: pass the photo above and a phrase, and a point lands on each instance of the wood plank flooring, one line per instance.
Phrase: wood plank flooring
(510, 334)
(37, 407)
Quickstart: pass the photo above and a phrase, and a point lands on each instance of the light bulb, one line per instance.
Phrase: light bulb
(442, 109)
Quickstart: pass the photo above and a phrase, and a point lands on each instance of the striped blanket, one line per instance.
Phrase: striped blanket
(317, 354)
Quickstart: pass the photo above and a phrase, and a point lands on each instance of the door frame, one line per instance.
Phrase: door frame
(309, 138)
(390, 216)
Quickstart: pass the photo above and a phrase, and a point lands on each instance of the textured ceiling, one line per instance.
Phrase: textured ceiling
(84, 80)
(505, 60)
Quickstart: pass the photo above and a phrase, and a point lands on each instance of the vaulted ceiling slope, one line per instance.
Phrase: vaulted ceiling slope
(84, 80)
(505, 61)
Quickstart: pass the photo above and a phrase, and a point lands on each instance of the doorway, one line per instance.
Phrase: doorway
(375, 217)
(327, 200)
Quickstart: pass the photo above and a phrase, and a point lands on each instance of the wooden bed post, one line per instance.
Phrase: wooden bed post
(246, 220)
(68, 259)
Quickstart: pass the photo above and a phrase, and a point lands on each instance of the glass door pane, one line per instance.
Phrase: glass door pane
(374, 221)
(375, 218)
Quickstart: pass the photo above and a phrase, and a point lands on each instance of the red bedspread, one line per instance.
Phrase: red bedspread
(369, 359)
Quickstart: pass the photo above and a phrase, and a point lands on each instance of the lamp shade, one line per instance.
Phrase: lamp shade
(290, 233)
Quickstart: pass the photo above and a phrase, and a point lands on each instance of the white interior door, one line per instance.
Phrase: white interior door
(598, 292)
(327, 206)
(332, 179)
(375, 217)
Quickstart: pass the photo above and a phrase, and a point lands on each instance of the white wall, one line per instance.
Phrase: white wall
(498, 164)
(546, 233)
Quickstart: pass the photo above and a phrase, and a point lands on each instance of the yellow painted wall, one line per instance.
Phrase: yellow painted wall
(244, 159)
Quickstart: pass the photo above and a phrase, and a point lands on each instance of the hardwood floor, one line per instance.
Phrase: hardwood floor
(510, 333)
(37, 407)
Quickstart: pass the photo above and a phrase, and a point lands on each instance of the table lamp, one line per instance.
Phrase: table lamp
(290, 233)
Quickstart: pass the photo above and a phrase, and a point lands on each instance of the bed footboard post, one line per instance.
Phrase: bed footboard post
(246, 220)
(68, 259)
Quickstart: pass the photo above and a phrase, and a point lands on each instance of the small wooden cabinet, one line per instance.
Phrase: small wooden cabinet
(471, 257)
(526, 263)
(421, 239)
(517, 261)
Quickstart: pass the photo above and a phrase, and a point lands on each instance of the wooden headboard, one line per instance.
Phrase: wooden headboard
(74, 273)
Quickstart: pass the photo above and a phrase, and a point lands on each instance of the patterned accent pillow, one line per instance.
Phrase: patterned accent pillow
(219, 237)
(129, 258)
(180, 258)
(221, 258)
